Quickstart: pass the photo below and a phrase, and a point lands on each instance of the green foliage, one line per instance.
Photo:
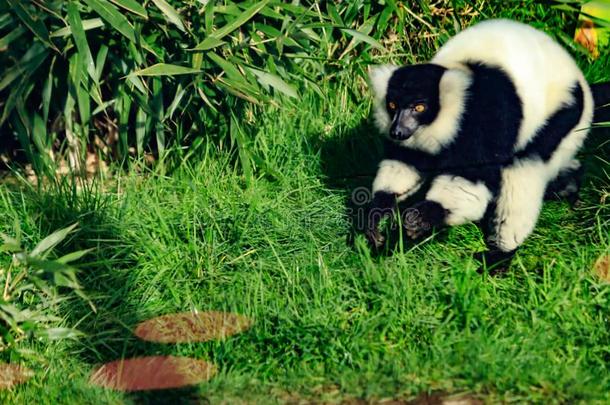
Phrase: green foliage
(30, 281)
(117, 76)
(279, 86)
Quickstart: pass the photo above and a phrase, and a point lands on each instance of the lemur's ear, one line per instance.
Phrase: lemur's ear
(379, 76)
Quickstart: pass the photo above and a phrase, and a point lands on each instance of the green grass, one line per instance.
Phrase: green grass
(331, 322)
(276, 244)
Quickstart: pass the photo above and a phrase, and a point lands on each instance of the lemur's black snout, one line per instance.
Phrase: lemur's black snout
(399, 134)
(404, 124)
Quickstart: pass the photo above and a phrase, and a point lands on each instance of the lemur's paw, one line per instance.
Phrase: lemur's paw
(375, 238)
(422, 217)
(416, 226)
(495, 262)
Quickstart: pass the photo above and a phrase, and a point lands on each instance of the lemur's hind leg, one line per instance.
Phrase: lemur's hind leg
(514, 214)
(395, 181)
(566, 185)
(451, 200)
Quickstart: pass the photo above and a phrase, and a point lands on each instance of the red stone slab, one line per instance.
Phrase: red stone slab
(191, 327)
(152, 373)
(13, 374)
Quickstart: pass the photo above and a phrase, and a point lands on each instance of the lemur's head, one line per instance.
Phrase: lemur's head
(407, 98)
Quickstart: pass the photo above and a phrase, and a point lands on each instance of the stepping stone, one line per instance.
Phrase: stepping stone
(192, 327)
(152, 373)
(13, 374)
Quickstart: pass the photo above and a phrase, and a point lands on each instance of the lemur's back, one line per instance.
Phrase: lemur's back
(542, 71)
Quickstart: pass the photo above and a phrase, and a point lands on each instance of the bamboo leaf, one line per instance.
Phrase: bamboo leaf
(59, 333)
(180, 92)
(239, 138)
(209, 43)
(170, 14)
(76, 26)
(113, 16)
(359, 36)
(33, 24)
(140, 130)
(270, 79)
(11, 36)
(230, 69)
(234, 24)
(26, 66)
(132, 6)
(89, 24)
(164, 69)
(70, 257)
(100, 61)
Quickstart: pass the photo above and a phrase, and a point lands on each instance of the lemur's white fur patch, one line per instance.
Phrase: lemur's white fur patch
(542, 71)
(452, 99)
(519, 202)
(466, 201)
(379, 77)
(397, 178)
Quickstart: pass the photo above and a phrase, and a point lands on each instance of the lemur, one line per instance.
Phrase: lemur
(491, 123)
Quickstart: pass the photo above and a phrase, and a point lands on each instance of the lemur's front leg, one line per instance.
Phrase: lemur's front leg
(394, 182)
(451, 200)
(514, 215)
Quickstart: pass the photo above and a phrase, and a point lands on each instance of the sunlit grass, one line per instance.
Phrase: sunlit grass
(331, 322)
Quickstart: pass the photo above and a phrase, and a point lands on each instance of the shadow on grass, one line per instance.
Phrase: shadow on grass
(349, 161)
(106, 277)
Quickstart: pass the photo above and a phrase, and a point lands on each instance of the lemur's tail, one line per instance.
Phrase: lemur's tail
(601, 95)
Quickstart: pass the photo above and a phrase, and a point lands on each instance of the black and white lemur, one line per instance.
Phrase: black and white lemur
(490, 124)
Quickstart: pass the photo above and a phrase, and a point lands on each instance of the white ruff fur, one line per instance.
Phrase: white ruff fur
(379, 77)
(466, 201)
(397, 178)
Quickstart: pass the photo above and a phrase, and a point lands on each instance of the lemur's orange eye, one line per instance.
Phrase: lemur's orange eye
(392, 105)
(419, 108)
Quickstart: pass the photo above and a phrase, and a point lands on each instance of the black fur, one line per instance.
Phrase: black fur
(560, 124)
(601, 95)
(488, 131)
